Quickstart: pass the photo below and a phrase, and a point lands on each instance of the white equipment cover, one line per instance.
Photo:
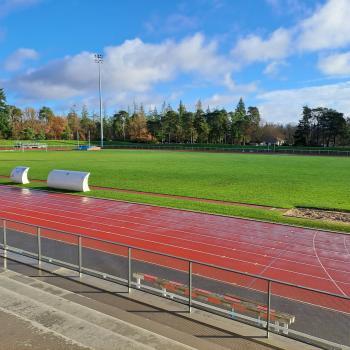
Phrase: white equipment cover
(20, 175)
(69, 180)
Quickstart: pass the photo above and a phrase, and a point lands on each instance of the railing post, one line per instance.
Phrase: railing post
(5, 243)
(268, 309)
(39, 245)
(5, 235)
(129, 269)
(190, 286)
(80, 256)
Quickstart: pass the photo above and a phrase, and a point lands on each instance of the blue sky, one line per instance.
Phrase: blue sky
(277, 54)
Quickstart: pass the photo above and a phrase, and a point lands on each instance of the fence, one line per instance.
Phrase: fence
(304, 314)
(265, 150)
(174, 147)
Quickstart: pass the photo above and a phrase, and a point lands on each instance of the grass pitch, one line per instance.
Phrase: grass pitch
(281, 181)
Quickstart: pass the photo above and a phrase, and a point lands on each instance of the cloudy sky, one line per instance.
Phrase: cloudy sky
(276, 54)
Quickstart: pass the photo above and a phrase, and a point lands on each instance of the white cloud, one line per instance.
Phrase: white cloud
(227, 100)
(285, 106)
(8, 6)
(253, 48)
(282, 7)
(218, 101)
(335, 64)
(327, 28)
(273, 68)
(17, 59)
(173, 23)
(132, 68)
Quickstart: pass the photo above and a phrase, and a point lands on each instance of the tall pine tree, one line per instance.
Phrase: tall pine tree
(5, 129)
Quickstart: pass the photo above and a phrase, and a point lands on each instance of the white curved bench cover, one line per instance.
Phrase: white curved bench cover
(69, 180)
(20, 175)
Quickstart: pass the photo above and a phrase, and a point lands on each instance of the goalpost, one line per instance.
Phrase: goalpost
(36, 146)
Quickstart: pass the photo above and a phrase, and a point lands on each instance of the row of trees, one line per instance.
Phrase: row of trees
(243, 125)
(322, 127)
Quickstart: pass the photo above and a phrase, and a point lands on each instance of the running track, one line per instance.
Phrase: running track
(311, 258)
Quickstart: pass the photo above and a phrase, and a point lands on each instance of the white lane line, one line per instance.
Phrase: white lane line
(345, 245)
(261, 273)
(139, 232)
(59, 199)
(325, 270)
(174, 230)
(182, 238)
(274, 258)
(167, 245)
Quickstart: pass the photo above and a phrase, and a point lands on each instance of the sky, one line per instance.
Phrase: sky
(278, 55)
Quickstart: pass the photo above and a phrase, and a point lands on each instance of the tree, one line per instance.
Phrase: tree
(320, 127)
(253, 120)
(5, 129)
(303, 131)
(58, 127)
(172, 126)
(120, 121)
(16, 121)
(333, 125)
(137, 128)
(200, 124)
(28, 134)
(46, 114)
(272, 133)
(86, 124)
(218, 125)
(188, 129)
(73, 122)
(154, 125)
(239, 123)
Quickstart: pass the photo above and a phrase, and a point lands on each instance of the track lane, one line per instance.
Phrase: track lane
(256, 249)
(252, 246)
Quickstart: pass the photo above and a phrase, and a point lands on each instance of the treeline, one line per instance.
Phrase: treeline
(322, 127)
(240, 126)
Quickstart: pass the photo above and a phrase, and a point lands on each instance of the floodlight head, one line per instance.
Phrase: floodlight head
(98, 57)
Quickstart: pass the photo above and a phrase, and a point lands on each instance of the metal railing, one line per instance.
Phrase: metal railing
(321, 318)
(196, 148)
(247, 149)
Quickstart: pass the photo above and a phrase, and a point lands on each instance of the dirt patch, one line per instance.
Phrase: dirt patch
(319, 214)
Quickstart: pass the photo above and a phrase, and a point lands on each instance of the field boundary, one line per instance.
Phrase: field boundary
(292, 151)
(278, 150)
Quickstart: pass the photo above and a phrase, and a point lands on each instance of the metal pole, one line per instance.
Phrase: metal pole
(99, 60)
(129, 270)
(39, 245)
(190, 286)
(268, 309)
(80, 256)
(5, 235)
(100, 94)
(5, 243)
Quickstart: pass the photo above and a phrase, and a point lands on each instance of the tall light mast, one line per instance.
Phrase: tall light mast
(99, 61)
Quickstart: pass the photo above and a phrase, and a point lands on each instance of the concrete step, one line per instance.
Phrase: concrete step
(47, 307)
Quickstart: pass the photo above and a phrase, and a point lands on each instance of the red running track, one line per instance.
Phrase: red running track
(310, 258)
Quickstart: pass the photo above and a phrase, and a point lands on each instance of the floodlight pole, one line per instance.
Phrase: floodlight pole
(99, 60)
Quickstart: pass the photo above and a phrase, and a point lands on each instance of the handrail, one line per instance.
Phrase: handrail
(183, 259)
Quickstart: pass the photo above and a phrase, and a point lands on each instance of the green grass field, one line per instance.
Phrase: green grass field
(274, 180)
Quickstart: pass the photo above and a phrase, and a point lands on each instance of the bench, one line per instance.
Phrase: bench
(234, 305)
